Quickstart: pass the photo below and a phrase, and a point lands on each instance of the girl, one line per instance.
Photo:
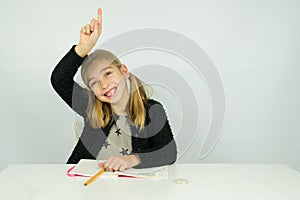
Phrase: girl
(121, 123)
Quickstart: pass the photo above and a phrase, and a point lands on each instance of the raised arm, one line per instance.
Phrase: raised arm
(62, 76)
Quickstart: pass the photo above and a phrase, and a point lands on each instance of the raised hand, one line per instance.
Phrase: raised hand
(89, 35)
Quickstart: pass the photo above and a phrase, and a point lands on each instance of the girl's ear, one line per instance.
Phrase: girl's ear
(125, 71)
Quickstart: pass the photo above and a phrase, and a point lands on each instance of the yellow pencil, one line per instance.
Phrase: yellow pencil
(94, 177)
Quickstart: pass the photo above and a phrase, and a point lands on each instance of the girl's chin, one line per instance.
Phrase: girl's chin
(106, 99)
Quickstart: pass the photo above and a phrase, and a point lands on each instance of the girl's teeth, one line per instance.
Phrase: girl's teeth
(109, 94)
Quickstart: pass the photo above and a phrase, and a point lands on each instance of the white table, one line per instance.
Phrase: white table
(206, 182)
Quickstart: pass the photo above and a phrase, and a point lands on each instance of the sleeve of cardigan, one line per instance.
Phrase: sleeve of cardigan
(63, 83)
(79, 152)
(162, 147)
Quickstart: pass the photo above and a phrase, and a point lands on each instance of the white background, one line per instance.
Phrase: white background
(254, 45)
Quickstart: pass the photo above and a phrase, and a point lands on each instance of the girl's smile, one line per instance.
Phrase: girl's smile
(110, 93)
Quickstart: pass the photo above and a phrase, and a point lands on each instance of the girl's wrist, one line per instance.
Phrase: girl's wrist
(81, 51)
(135, 160)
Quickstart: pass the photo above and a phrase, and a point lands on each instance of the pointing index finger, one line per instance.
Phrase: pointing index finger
(99, 19)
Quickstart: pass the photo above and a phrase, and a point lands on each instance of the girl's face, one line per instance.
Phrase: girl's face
(108, 82)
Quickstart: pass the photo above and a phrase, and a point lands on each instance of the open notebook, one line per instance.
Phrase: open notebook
(88, 168)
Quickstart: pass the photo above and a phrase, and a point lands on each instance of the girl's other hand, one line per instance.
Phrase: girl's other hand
(120, 163)
(89, 35)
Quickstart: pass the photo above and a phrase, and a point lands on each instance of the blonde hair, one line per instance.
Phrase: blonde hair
(99, 114)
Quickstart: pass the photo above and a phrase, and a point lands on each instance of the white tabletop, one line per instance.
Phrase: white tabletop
(206, 181)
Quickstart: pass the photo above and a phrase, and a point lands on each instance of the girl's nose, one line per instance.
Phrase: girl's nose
(102, 84)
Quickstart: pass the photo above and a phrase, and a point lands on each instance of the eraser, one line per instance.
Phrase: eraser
(181, 181)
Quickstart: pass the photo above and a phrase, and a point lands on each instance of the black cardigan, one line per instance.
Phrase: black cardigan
(154, 145)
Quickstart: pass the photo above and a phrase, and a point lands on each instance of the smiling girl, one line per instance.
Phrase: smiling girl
(122, 125)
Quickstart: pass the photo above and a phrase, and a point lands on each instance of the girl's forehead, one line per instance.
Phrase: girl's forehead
(98, 66)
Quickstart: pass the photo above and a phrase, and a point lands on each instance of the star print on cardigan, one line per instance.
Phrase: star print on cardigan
(118, 132)
(124, 152)
(105, 144)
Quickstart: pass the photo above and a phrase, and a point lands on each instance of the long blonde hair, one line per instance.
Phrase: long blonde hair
(99, 114)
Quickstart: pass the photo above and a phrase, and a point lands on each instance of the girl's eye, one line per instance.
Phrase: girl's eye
(93, 84)
(107, 73)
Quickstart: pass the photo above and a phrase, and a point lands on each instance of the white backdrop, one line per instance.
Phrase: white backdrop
(254, 45)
